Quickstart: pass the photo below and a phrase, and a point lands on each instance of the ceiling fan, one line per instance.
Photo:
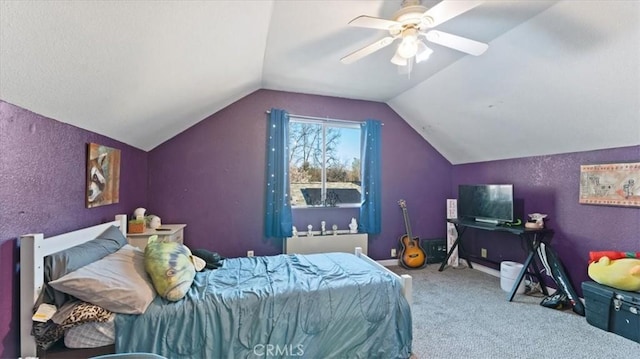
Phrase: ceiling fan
(412, 23)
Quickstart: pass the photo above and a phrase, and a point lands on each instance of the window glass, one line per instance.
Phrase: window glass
(324, 163)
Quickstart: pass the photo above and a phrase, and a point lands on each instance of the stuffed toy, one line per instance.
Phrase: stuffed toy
(595, 256)
(536, 221)
(619, 270)
(171, 267)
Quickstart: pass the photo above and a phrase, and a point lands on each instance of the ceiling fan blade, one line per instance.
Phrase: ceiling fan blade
(367, 50)
(447, 10)
(455, 42)
(373, 22)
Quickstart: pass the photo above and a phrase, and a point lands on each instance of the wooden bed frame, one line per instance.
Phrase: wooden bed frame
(34, 247)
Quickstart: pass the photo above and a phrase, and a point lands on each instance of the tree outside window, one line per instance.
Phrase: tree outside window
(324, 163)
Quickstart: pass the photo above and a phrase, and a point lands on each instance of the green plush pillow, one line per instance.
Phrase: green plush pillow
(171, 267)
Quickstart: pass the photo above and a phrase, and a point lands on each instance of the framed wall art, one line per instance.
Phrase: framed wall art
(613, 184)
(103, 175)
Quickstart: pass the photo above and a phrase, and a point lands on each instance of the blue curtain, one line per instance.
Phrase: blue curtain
(370, 212)
(277, 219)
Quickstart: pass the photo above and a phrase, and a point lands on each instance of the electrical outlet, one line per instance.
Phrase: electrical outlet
(393, 252)
(249, 253)
(483, 252)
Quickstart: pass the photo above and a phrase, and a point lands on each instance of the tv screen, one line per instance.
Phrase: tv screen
(492, 203)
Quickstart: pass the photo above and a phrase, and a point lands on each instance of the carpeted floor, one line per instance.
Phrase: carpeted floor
(463, 313)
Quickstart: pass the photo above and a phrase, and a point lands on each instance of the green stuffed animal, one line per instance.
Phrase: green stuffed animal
(171, 267)
(621, 273)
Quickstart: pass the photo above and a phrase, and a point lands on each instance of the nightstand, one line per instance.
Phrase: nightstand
(166, 233)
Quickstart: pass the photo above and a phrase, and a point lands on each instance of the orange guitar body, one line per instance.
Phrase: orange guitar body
(412, 255)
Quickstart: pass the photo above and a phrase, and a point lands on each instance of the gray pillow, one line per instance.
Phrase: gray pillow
(59, 264)
(117, 282)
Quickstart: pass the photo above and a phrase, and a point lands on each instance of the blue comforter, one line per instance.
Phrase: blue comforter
(313, 306)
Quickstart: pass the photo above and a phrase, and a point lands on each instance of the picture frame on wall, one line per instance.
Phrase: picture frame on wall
(103, 175)
(613, 184)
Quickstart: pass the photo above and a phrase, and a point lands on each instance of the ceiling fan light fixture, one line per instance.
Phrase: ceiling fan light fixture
(409, 45)
(423, 53)
(399, 60)
(411, 22)
(407, 49)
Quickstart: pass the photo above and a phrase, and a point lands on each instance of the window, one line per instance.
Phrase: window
(324, 163)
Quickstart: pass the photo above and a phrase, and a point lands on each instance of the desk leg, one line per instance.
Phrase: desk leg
(446, 260)
(453, 247)
(532, 244)
(539, 276)
(521, 275)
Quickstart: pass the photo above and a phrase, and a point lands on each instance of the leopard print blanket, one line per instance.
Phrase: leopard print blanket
(68, 316)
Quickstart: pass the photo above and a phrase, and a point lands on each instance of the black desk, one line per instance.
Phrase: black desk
(531, 237)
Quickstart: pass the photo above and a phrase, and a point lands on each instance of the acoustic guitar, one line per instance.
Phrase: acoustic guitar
(412, 256)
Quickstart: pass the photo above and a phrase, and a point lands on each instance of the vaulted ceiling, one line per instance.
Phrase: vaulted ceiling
(559, 76)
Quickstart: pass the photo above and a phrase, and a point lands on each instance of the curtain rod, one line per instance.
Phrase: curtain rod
(319, 118)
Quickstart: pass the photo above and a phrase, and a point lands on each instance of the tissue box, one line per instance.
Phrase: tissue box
(136, 226)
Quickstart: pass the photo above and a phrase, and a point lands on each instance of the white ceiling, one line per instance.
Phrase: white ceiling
(559, 76)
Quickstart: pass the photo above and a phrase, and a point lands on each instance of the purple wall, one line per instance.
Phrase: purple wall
(42, 189)
(550, 184)
(211, 176)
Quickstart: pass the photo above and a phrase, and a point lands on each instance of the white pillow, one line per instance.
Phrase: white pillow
(117, 282)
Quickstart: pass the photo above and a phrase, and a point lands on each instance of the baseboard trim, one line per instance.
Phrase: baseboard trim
(485, 269)
(388, 262)
(480, 267)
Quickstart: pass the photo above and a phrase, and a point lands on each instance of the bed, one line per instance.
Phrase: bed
(333, 304)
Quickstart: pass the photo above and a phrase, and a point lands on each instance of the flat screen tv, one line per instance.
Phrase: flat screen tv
(491, 203)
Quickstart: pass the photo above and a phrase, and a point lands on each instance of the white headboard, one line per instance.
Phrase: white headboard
(33, 249)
